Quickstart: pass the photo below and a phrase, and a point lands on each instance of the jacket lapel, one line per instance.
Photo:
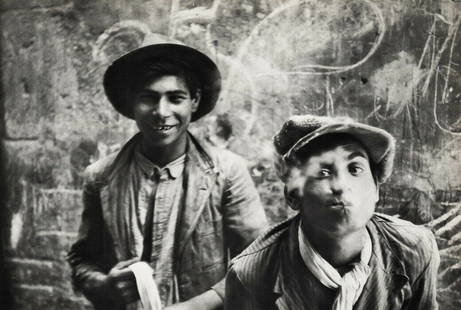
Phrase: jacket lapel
(116, 196)
(388, 285)
(293, 285)
(199, 180)
(107, 214)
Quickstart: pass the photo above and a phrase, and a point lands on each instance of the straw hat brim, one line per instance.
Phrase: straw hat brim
(119, 76)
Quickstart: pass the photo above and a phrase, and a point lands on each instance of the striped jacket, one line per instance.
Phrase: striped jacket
(270, 273)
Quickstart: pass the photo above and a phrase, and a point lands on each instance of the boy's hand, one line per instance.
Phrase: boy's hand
(122, 279)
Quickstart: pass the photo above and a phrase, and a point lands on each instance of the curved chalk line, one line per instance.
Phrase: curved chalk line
(332, 69)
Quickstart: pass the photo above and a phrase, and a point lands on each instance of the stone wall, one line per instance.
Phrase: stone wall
(390, 63)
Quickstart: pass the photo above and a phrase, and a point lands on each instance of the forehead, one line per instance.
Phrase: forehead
(344, 148)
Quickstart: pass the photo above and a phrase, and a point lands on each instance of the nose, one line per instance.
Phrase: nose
(338, 184)
(162, 108)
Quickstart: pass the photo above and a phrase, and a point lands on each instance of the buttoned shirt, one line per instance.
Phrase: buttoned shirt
(160, 188)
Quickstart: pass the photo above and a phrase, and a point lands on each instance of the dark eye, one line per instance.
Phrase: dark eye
(176, 99)
(145, 98)
(356, 169)
(324, 173)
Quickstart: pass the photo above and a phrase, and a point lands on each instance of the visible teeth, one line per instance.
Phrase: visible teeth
(164, 127)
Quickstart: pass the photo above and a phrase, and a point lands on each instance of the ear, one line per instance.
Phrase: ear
(196, 100)
(293, 198)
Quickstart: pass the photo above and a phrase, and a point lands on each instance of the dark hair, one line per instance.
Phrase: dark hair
(157, 68)
(324, 142)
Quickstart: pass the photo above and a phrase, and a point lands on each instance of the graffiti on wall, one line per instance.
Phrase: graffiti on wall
(391, 64)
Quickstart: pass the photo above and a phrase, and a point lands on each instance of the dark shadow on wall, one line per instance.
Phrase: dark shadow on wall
(5, 292)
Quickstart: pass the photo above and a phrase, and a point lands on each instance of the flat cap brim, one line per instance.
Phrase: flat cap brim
(379, 144)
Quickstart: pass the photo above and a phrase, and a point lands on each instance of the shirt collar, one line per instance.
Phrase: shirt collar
(173, 169)
(176, 167)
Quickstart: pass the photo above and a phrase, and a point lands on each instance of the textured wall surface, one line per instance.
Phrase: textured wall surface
(390, 63)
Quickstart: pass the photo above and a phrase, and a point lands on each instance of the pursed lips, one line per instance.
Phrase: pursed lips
(338, 204)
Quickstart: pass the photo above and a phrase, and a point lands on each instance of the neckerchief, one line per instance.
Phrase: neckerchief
(350, 285)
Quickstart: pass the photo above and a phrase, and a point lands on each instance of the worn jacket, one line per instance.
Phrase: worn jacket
(221, 215)
(404, 266)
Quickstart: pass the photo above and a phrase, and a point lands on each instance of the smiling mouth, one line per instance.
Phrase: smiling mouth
(163, 128)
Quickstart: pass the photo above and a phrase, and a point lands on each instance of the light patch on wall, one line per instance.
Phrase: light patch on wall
(16, 229)
(395, 82)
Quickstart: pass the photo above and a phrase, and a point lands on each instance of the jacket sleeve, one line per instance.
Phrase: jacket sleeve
(237, 296)
(88, 257)
(243, 214)
(424, 288)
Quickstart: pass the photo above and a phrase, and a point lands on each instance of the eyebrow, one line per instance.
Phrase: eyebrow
(170, 92)
(177, 92)
(357, 154)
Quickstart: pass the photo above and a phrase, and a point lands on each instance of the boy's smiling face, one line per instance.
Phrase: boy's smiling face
(163, 109)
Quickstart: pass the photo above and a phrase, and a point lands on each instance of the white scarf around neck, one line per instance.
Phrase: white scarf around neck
(350, 285)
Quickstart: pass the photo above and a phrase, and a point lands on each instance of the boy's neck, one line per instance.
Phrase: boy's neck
(161, 155)
(337, 250)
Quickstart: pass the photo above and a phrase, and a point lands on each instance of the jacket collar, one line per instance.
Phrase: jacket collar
(199, 177)
(196, 154)
(123, 158)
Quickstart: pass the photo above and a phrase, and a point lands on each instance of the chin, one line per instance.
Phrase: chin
(163, 142)
(343, 227)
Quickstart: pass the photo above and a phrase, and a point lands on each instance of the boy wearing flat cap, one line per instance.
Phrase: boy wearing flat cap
(163, 216)
(337, 253)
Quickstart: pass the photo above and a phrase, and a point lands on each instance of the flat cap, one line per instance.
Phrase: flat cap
(300, 130)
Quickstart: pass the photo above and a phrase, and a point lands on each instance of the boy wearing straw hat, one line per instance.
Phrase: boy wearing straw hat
(163, 215)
